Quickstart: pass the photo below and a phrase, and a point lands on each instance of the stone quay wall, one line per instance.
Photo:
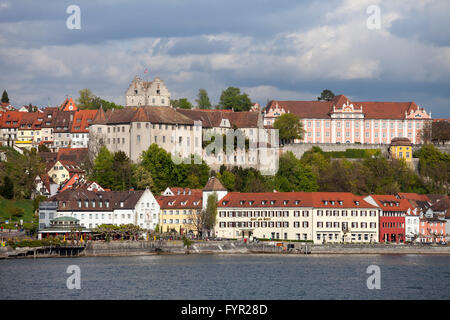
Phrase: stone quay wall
(298, 149)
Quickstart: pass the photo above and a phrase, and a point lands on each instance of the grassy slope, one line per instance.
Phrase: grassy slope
(26, 205)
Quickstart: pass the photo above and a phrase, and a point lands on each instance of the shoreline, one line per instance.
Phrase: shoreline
(123, 249)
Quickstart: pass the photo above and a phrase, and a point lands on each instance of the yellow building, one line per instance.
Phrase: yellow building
(179, 208)
(401, 148)
(29, 133)
(62, 170)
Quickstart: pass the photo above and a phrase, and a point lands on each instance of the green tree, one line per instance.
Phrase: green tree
(231, 98)
(142, 178)
(7, 188)
(227, 179)
(326, 95)
(88, 100)
(5, 98)
(123, 172)
(435, 167)
(43, 148)
(202, 100)
(160, 165)
(103, 171)
(293, 175)
(85, 99)
(290, 127)
(182, 103)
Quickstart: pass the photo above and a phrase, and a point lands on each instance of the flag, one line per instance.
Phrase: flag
(146, 70)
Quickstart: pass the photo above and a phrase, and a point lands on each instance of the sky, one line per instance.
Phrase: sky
(282, 50)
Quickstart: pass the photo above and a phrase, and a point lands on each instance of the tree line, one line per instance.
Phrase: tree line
(314, 171)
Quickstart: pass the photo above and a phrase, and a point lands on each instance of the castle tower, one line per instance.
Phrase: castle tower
(213, 186)
(147, 93)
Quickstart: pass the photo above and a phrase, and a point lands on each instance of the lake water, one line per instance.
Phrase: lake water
(226, 277)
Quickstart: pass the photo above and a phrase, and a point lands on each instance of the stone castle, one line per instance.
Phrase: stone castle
(147, 93)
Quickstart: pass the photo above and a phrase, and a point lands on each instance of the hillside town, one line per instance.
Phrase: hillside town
(66, 137)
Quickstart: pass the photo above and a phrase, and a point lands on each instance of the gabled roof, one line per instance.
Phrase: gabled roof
(63, 121)
(11, 119)
(163, 115)
(266, 200)
(413, 196)
(31, 121)
(214, 184)
(71, 166)
(82, 119)
(323, 109)
(182, 201)
(442, 205)
(339, 200)
(77, 155)
(401, 141)
(392, 203)
(70, 198)
(100, 117)
(68, 105)
(213, 118)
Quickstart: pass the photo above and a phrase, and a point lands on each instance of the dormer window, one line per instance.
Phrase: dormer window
(285, 202)
(357, 203)
(121, 204)
(325, 202)
(107, 203)
(397, 204)
(86, 203)
(297, 201)
(242, 202)
(341, 202)
(251, 202)
(263, 202)
(224, 202)
(79, 203)
(332, 202)
(272, 201)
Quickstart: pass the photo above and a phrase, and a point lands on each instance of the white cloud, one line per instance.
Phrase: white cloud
(340, 49)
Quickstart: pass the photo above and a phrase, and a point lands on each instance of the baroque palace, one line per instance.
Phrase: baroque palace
(344, 121)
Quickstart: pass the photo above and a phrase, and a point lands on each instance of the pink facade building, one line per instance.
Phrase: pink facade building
(431, 230)
(343, 121)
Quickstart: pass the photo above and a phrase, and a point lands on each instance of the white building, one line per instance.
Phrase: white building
(320, 217)
(93, 209)
(412, 219)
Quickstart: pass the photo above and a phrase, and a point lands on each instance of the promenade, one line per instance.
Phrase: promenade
(129, 248)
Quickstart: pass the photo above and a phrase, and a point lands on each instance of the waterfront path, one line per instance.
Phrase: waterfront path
(128, 248)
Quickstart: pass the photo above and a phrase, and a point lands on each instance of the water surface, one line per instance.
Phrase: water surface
(215, 276)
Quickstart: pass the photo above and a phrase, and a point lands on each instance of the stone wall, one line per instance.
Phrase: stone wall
(120, 248)
(298, 149)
